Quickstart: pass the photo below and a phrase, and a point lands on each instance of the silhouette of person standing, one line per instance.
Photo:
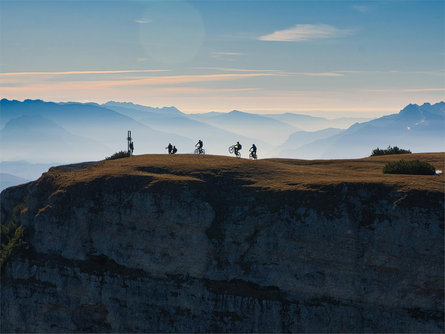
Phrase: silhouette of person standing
(170, 148)
(131, 148)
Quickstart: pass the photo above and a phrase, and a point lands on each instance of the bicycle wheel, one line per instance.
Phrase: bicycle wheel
(238, 154)
(231, 148)
(196, 151)
(203, 151)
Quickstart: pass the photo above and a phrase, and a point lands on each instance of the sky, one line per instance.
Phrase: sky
(324, 58)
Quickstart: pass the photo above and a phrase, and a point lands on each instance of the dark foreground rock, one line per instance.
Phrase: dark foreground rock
(154, 253)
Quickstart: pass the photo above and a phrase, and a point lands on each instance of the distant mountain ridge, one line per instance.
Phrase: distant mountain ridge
(420, 128)
(301, 138)
(105, 129)
(266, 129)
(9, 180)
(71, 131)
(130, 105)
(173, 121)
(312, 123)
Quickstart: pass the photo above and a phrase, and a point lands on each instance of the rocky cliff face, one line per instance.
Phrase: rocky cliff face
(170, 247)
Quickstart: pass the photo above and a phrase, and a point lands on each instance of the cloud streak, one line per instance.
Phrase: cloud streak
(176, 79)
(276, 72)
(360, 8)
(306, 32)
(142, 21)
(225, 53)
(323, 74)
(25, 82)
(405, 90)
(12, 74)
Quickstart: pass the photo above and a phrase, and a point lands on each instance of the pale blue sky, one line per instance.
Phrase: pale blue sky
(328, 58)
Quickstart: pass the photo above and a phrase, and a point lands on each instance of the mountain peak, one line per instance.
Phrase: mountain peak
(236, 112)
(410, 110)
(130, 105)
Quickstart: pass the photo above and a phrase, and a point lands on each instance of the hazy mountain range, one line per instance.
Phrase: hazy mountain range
(9, 180)
(418, 128)
(46, 132)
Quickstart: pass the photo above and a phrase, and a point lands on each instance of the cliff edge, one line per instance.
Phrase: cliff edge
(186, 243)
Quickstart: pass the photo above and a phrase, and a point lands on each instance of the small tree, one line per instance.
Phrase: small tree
(389, 150)
(118, 155)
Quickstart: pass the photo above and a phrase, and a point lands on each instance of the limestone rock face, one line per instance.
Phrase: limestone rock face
(150, 253)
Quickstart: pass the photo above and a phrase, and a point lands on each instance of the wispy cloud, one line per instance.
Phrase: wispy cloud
(276, 72)
(231, 69)
(323, 74)
(432, 73)
(142, 21)
(306, 32)
(11, 74)
(414, 90)
(360, 8)
(175, 79)
(405, 90)
(37, 82)
(202, 90)
(225, 53)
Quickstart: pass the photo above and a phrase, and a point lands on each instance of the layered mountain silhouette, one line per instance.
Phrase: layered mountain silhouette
(171, 120)
(103, 129)
(266, 129)
(312, 124)
(9, 180)
(39, 139)
(39, 131)
(301, 138)
(24, 169)
(418, 128)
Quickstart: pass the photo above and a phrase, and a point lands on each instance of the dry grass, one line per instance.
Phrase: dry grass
(274, 174)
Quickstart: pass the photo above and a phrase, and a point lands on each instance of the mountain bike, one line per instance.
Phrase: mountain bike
(253, 156)
(232, 150)
(200, 151)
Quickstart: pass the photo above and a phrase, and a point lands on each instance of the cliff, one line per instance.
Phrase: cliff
(186, 243)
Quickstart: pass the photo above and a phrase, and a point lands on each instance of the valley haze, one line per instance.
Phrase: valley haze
(48, 133)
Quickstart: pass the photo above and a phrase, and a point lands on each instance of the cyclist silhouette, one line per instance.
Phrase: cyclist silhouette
(199, 149)
(237, 147)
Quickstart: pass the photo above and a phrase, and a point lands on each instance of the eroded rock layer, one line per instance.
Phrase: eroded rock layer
(173, 248)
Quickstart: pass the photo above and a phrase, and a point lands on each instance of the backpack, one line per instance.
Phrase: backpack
(240, 146)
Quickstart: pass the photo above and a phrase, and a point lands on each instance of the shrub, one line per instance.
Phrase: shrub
(118, 155)
(13, 241)
(416, 167)
(389, 150)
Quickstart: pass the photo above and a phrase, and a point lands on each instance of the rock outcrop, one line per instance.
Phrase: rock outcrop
(199, 244)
